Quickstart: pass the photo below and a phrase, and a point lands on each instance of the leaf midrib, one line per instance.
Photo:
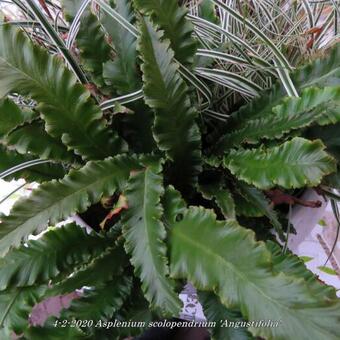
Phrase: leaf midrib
(241, 275)
(147, 230)
(9, 306)
(51, 205)
(265, 160)
(74, 123)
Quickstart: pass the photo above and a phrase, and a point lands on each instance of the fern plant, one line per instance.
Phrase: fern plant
(110, 107)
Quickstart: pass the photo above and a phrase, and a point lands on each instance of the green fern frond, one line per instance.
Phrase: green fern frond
(58, 251)
(222, 197)
(56, 200)
(292, 265)
(11, 116)
(256, 204)
(94, 50)
(100, 302)
(203, 251)
(171, 18)
(33, 139)
(103, 268)
(64, 104)
(321, 106)
(215, 311)
(319, 73)
(175, 129)
(145, 233)
(173, 205)
(16, 305)
(38, 173)
(294, 164)
(122, 73)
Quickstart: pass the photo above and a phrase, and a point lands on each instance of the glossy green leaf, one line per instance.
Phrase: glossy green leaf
(173, 205)
(20, 130)
(100, 302)
(136, 309)
(16, 305)
(175, 129)
(33, 139)
(140, 75)
(292, 265)
(56, 200)
(222, 197)
(103, 268)
(65, 106)
(94, 50)
(37, 173)
(329, 136)
(144, 234)
(294, 164)
(122, 73)
(320, 72)
(59, 250)
(259, 205)
(55, 40)
(136, 128)
(11, 116)
(244, 206)
(169, 16)
(315, 105)
(203, 252)
(215, 311)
